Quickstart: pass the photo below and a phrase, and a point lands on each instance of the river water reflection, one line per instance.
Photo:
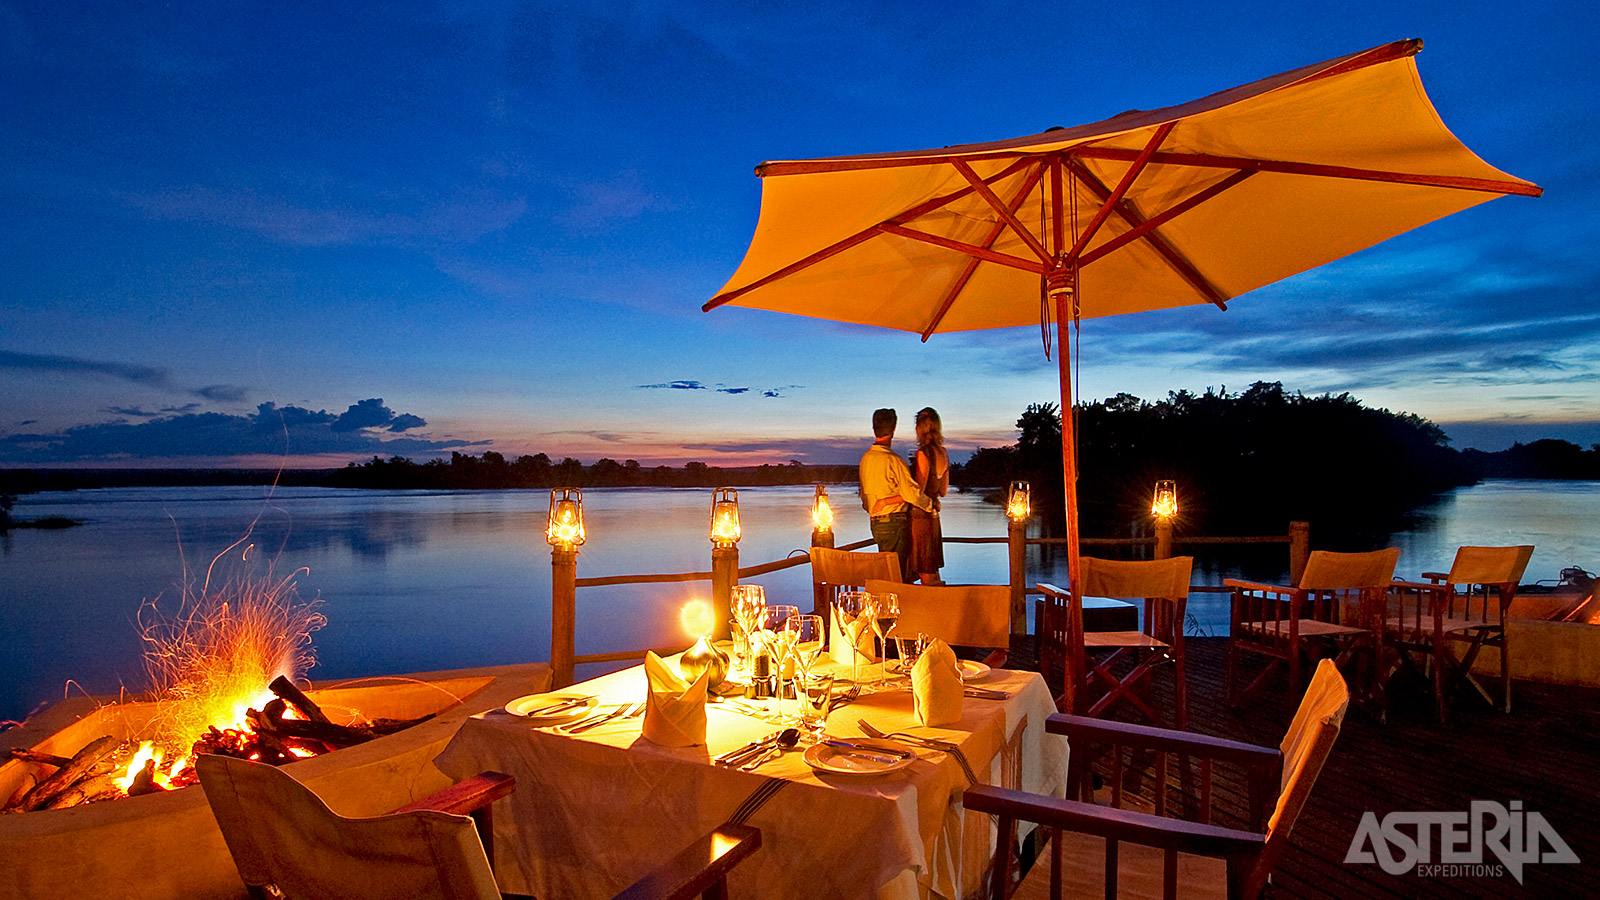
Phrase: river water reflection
(420, 580)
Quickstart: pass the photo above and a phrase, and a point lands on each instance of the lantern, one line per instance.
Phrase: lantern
(564, 530)
(1018, 505)
(821, 512)
(1165, 504)
(724, 517)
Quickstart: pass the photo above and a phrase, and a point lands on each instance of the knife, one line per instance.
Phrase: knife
(754, 745)
(858, 749)
(554, 708)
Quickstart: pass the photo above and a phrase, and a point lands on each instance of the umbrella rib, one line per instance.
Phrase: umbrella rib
(957, 286)
(1162, 246)
(860, 236)
(1114, 199)
(983, 253)
(1126, 238)
(1206, 160)
(1002, 210)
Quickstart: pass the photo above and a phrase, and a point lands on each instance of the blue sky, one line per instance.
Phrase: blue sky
(240, 233)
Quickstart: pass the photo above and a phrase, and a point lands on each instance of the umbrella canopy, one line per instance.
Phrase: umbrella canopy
(1197, 203)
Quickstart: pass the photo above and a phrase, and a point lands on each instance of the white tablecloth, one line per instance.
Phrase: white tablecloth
(592, 813)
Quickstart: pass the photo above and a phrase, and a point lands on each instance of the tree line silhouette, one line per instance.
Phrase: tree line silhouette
(1250, 462)
(493, 471)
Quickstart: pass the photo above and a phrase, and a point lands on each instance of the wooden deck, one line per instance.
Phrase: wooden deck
(1546, 754)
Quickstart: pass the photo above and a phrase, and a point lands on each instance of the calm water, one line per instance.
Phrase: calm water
(417, 580)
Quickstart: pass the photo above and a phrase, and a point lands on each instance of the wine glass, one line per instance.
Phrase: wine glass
(749, 604)
(808, 637)
(885, 613)
(783, 639)
(850, 610)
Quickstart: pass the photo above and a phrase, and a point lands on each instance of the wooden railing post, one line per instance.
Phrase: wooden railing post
(1299, 549)
(1017, 553)
(819, 599)
(724, 575)
(563, 614)
(1163, 537)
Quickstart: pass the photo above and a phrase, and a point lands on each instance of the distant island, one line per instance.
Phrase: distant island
(1246, 462)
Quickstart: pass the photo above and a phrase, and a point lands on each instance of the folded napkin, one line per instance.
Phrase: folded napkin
(936, 685)
(675, 711)
(841, 635)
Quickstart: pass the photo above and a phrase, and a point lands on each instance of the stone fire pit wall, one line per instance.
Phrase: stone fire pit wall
(166, 846)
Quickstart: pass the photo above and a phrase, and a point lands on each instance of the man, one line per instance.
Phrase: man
(888, 492)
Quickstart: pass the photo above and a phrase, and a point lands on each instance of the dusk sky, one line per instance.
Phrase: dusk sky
(244, 234)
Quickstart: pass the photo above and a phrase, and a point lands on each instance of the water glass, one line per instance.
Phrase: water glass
(910, 650)
(816, 696)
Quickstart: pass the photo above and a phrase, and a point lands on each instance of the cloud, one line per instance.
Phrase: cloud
(272, 430)
(719, 388)
(406, 422)
(675, 386)
(70, 365)
(604, 203)
(222, 393)
(187, 407)
(129, 411)
(369, 413)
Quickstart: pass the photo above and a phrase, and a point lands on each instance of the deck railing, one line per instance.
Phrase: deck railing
(725, 573)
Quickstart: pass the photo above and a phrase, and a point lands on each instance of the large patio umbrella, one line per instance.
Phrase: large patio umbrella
(1191, 204)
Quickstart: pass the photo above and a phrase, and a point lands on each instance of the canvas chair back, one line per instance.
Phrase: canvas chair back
(843, 568)
(970, 615)
(1162, 583)
(1305, 748)
(282, 834)
(1330, 571)
(1490, 565)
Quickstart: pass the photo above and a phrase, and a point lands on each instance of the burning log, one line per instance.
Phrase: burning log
(63, 778)
(34, 756)
(87, 790)
(285, 689)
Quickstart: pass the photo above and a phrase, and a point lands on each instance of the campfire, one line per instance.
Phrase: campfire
(222, 668)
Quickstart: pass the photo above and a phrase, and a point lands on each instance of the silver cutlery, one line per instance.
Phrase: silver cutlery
(625, 711)
(786, 740)
(986, 694)
(944, 747)
(731, 756)
(869, 748)
(554, 708)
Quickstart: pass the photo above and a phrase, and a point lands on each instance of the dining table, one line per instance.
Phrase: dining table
(595, 811)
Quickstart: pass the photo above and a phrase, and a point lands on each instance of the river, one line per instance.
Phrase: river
(420, 580)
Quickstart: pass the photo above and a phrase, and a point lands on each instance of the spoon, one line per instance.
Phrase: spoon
(787, 739)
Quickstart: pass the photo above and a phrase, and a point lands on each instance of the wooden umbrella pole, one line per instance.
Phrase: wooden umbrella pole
(1069, 443)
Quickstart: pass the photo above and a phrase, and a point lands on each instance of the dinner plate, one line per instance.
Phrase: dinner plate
(840, 761)
(972, 670)
(528, 708)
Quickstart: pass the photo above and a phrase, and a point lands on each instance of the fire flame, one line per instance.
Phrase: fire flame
(212, 660)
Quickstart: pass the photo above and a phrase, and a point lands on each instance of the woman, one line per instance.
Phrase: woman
(930, 465)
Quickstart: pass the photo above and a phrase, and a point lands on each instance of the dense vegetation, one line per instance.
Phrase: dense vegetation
(1250, 462)
(492, 470)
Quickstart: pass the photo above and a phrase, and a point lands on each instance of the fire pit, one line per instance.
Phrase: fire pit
(166, 844)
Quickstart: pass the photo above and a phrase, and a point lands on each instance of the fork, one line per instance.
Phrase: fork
(625, 711)
(944, 747)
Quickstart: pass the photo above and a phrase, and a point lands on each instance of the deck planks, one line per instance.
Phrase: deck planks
(1546, 753)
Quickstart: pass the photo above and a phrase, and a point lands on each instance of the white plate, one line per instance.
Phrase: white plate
(838, 760)
(972, 670)
(526, 706)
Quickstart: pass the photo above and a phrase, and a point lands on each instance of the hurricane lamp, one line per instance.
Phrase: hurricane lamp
(564, 529)
(821, 511)
(724, 517)
(1018, 504)
(1165, 504)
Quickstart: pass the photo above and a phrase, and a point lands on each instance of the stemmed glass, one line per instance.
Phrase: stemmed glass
(850, 610)
(749, 604)
(885, 613)
(807, 643)
(782, 640)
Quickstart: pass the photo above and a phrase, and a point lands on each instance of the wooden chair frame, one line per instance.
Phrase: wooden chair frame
(1425, 633)
(1164, 617)
(1275, 798)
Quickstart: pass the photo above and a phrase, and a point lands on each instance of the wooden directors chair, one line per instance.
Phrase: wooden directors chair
(966, 615)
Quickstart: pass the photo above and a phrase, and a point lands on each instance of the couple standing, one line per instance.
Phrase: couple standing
(904, 500)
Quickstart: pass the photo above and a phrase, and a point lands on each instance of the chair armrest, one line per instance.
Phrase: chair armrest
(465, 797)
(1417, 586)
(1436, 576)
(1052, 590)
(996, 658)
(1129, 734)
(1257, 586)
(698, 866)
(1115, 824)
